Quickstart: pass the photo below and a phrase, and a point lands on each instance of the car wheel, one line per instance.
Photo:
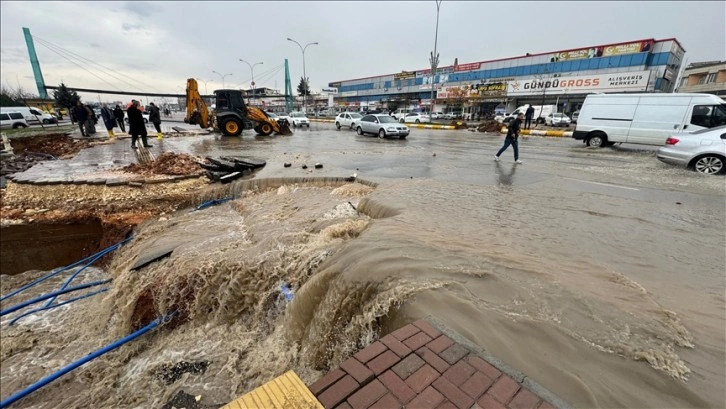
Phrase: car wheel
(352, 125)
(382, 134)
(337, 125)
(418, 122)
(359, 130)
(45, 121)
(597, 140)
(402, 137)
(401, 120)
(709, 165)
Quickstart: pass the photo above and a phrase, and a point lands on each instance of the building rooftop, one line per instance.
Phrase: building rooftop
(704, 64)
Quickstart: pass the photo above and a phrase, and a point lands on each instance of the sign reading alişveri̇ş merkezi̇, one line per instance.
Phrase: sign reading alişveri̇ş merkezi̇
(620, 82)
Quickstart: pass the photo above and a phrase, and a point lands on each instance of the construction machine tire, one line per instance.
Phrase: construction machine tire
(265, 129)
(231, 127)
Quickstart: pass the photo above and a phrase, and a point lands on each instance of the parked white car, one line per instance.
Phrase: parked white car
(126, 118)
(12, 120)
(557, 119)
(299, 119)
(416, 117)
(437, 115)
(285, 116)
(500, 117)
(347, 119)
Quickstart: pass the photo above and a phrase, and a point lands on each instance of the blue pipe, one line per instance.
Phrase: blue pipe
(50, 378)
(286, 291)
(213, 202)
(51, 295)
(53, 273)
(68, 281)
(57, 305)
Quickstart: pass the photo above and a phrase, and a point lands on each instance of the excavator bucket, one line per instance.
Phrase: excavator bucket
(285, 128)
(265, 124)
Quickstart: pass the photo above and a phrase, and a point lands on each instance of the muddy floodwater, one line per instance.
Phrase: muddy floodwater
(598, 273)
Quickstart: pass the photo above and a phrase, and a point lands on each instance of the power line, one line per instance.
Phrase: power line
(100, 65)
(81, 67)
(259, 75)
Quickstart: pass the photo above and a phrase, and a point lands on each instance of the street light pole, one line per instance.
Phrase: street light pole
(434, 60)
(205, 85)
(305, 78)
(221, 76)
(252, 70)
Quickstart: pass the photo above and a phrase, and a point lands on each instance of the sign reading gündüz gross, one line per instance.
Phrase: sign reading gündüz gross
(623, 82)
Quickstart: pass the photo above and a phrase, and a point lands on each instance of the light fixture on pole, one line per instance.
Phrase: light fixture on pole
(305, 78)
(434, 59)
(221, 76)
(205, 84)
(252, 70)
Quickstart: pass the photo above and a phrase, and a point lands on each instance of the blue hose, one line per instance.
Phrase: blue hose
(80, 297)
(51, 295)
(68, 281)
(54, 273)
(286, 291)
(50, 378)
(212, 203)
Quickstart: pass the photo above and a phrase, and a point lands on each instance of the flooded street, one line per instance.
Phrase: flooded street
(598, 273)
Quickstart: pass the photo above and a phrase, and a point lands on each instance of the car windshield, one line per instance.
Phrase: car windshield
(271, 115)
(356, 116)
(387, 119)
(298, 115)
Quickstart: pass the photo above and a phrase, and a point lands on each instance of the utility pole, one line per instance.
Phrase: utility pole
(305, 78)
(252, 70)
(434, 59)
(221, 76)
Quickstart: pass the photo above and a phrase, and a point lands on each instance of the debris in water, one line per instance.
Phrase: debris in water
(287, 164)
(304, 166)
(187, 401)
(171, 373)
(318, 165)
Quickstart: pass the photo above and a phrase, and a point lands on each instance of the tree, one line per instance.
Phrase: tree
(303, 89)
(6, 98)
(64, 97)
(14, 97)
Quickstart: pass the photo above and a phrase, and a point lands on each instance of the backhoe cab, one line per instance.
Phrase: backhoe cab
(231, 112)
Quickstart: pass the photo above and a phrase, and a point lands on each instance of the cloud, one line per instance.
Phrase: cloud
(141, 8)
(129, 26)
(94, 45)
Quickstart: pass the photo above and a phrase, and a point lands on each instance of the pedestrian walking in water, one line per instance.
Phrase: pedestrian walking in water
(155, 118)
(137, 127)
(108, 119)
(512, 138)
(528, 117)
(118, 113)
(81, 115)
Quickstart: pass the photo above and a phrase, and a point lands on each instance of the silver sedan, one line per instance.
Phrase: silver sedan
(704, 150)
(381, 125)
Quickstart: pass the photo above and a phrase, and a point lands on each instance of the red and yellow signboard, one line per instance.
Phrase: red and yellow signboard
(606, 51)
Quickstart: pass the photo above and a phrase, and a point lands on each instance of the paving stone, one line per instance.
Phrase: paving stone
(440, 344)
(483, 366)
(357, 370)
(323, 383)
(545, 405)
(429, 329)
(382, 362)
(477, 384)
(432, 359)
(367, 395)
(343, 405)
(430, 398)
(524, 399)
(419, 380)
(97, 182)
(116, 182)
(408, 366)
(387, 402)
(370, 352)
(459, 373)
(338, 392)
(446, 405)
(396, 346)
(454, 353)
(405, 332)
(418, 340)
(136, 184)
(488, 402)
(397, 386)
(453, 393)
(504, 389)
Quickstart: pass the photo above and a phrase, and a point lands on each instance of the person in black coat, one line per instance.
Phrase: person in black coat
(81, 116)
(155, 118)
(109, 120)
(119, 114)
(512, 138)
(137, 127)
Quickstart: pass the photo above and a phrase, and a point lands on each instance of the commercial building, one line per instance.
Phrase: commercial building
(562, 77)
(707, 77)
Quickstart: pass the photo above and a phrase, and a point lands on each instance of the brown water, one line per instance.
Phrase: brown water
(608, 300)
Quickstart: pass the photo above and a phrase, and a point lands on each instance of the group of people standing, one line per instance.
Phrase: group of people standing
(87, 120)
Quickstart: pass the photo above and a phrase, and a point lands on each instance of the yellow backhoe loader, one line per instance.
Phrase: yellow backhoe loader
(231, 114)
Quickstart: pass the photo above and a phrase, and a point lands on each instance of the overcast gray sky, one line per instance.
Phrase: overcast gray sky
(161, 44)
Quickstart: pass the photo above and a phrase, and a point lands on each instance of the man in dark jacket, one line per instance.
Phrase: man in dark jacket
(81, 115)
(155, 118)
(119, 114)
(137, 127)
(511, 139)
(109, 120)
(528, 117)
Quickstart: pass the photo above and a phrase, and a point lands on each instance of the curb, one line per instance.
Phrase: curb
(329, 121)
(420, 126)
(559, 134)
(535, 387)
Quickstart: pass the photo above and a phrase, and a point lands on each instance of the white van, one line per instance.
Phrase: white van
(540, 113)
(12, 120)
(647, 119)
(31, 114)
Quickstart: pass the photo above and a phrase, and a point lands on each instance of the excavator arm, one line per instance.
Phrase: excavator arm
(197, 111)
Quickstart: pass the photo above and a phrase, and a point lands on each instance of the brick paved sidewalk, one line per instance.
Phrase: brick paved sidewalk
(421, 366)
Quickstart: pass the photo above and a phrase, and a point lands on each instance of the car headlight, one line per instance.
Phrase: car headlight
(391, 128)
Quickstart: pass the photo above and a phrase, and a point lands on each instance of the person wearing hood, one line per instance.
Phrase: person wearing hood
(81, 115)
(108, 119)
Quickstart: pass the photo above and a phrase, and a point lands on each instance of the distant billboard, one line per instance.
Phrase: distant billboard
(621, 82)
(606, 51)
(329, 90)
(404, 75)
